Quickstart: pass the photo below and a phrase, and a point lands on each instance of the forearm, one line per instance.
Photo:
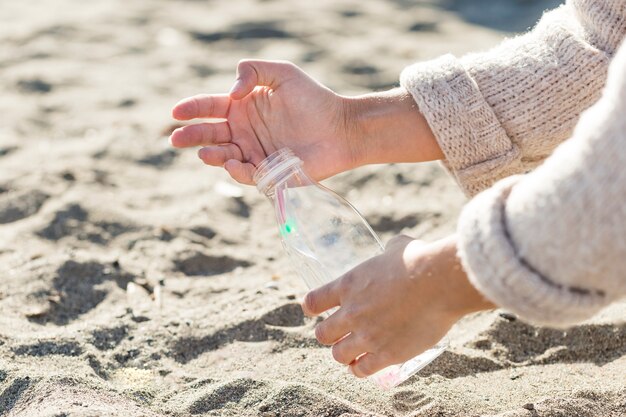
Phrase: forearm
(550, 245)
(388, 127)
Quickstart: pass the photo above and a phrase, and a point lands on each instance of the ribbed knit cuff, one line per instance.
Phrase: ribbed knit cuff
(495, 268)
(477, 149)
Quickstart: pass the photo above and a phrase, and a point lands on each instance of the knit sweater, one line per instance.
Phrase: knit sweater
(549, 245)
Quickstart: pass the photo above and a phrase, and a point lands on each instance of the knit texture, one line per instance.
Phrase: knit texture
(503, 112)
(551, 245)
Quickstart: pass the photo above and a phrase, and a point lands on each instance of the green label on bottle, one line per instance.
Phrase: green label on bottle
(288, 227)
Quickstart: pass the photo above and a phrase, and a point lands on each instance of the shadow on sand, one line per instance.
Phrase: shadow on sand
(504, 15)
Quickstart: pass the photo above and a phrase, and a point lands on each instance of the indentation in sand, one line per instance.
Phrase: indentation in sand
(6, 150)
(244, 30)
(265, 328)
(201, 264)
(49, 347)
(204, 231)
(12, 393)
(79, 223)
(453, 364)
(161, 159)
(301, 400)
(77, 289)
(34, 85)
(516, 342)
(409, 400)
(288, 315)
(241, 391)
(15, 206)
(108, 338)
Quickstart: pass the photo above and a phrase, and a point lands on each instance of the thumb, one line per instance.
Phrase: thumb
(240, 171)
(251, 73)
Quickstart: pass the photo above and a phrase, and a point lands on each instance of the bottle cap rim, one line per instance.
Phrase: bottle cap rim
(274, 165)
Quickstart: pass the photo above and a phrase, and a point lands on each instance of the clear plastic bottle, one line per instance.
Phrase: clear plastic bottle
(325, 237)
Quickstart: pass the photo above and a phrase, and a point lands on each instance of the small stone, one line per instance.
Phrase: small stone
(508, 316)
(54, 298)
(515, 376)
(140, 319)
(271, 285)
(529, 406)
(139, 300)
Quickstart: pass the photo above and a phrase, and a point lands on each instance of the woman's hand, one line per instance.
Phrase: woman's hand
(272, 105)
(395, 305)
(275, 104)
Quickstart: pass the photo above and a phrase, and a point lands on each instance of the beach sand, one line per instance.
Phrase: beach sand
(135, 281)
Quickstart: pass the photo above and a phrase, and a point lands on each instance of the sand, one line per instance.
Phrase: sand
(136, 281)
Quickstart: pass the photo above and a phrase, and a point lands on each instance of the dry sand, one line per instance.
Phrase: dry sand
(134, 281)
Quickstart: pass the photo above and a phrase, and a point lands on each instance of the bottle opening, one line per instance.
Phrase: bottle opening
(273, 169)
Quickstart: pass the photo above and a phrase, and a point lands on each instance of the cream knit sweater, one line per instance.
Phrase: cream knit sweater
(549, 245)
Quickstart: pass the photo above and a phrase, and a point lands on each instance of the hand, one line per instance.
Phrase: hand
(395, 305)
(272, 105)
(275, 104)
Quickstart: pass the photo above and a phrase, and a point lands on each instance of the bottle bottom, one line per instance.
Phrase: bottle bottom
(394, 375)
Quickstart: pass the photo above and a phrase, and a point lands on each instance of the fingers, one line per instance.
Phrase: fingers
(203, 106)
(251, 73)
(218, 155)
(321, 299)
(333, 328)
(201, 134)
(240, 172)
(368, 364)
(348, 349)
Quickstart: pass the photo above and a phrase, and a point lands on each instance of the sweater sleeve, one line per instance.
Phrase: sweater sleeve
(504, 111)
(551, 245)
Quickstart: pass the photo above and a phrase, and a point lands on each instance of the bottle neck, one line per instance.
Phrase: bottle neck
(282, 168)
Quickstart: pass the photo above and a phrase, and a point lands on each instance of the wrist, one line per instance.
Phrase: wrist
(459, 296)
(387, 127)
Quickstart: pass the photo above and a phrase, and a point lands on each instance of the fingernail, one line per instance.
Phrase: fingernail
(236, 86)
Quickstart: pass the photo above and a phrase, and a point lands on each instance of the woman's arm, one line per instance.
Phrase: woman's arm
(551, 245)
(502, 112)
(493, 114)
(395, 305)
(275, 104)
(390, 129)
